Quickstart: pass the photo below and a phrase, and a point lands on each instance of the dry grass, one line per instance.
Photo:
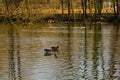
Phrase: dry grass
(58, 11)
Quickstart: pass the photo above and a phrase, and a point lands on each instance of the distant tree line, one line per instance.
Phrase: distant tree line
(97, 5)
(85, 4)
(70, 5)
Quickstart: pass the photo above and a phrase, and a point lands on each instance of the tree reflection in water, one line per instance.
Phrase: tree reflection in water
(90, 53)
(14, 54)
(96, 58)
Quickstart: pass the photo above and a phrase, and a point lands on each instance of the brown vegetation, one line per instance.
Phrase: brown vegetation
(42, 10)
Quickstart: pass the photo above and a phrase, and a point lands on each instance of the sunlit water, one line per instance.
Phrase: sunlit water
(86, 52)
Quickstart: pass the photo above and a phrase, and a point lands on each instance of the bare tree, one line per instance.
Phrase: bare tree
(73, 14)
(100, 3)
(118, 7)
(69, 10)
(11, 3)
(115, 6)
(84, 7)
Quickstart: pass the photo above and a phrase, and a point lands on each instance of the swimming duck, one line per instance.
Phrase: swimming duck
(47, 52)
(55, 48)
(52, 51)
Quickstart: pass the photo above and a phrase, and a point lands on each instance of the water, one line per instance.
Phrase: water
(86, 51)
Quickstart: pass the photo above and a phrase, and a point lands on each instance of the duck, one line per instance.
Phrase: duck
(52, 51)
(55, 48)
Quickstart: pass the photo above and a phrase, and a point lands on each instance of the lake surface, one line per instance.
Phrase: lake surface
(86, 51)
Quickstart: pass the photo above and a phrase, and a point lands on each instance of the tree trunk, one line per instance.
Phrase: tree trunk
(100, 2)
(69, 10)
(62, 5)
(73, 14)
(118, 7)
(114, 6)
(84, 7)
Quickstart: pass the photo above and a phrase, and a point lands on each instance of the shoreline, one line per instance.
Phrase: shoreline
(63, 18)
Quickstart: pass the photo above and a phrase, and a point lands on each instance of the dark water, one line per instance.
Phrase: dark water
(86, 52)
